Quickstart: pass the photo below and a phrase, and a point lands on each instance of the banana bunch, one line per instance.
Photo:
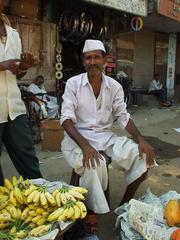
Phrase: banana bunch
(7, 236)
(69, 212)
(39, 196)
(65, 194)
(41, 230)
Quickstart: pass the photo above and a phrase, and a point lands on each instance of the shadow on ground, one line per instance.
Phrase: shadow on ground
(163, 150)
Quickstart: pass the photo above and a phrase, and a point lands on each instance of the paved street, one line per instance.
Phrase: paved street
(157, 125)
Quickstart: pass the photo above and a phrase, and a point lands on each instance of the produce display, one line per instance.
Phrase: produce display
(172, 213)
(28, 210)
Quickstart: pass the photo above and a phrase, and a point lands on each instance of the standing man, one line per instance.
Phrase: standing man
(91, 102)
(14, 130)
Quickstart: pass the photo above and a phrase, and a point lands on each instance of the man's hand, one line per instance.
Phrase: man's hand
(145, 147)
(11, 65)
(27, 60)
(90, 156)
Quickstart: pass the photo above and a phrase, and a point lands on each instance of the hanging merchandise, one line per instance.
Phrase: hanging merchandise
(59, 66)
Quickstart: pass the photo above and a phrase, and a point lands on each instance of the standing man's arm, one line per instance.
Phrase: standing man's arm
(144, 147)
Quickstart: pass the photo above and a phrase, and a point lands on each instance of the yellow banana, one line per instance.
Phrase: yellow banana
(33, 213)
(5, 217)
(36, 197)
(12, 199)
(13, 212)
(54, 215)
(40, 210)
(55, 192)
(69, 196)
(77, 212)
(58, 199)
(8, 184)
(70, 212)
(76, 194)
(25, 213)
(3, 225)
(39, 231)
(30, 190)
(21, 179)
(31, 196)
(36, 218)
(18, 195)
(41, 221)
(43, 199)
(18, 213)
(80, 189)
(21, 234)
(32, 225)
(63, 217)
(82, 208)
(3, 197)
(4, 190)
(63, 198)
(3, 204)
(13, 229)
(14, 181)
(28, 219)
(50, 198)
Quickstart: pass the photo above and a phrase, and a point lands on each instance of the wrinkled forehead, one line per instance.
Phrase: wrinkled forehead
(94, 53)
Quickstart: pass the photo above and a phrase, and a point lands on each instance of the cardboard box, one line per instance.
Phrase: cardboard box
(52, 135)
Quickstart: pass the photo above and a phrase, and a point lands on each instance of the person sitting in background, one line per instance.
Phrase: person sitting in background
(158, 90)
(48, 104)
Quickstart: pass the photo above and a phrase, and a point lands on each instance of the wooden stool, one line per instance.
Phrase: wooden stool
(75, 177)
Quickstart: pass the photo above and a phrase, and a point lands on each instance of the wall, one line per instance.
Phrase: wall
(143, 69)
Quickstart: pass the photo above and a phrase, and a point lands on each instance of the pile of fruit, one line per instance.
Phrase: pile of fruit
(28, 210)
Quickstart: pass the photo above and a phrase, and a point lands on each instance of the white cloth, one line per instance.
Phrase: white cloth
(79, 105)
(124, 155)
(52, 106)
(93, 118)
(91, 45)
(155, 85)
(10, 96)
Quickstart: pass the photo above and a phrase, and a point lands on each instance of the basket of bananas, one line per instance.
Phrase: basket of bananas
(36, 208)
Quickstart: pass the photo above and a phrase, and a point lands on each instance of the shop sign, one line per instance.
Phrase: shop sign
(136, 23)
(137, 7)
(170, 8)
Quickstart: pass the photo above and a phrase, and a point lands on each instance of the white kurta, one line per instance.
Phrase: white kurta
(10, 96)
(51, 106)
(93, 118)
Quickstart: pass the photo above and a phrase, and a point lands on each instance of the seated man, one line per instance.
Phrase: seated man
(46, 102)
(157, 89)
(91, 101)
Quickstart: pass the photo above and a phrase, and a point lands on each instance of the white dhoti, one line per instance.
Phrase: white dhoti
(124, 155)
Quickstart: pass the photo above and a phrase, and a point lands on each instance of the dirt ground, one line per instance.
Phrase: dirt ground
(156, 124)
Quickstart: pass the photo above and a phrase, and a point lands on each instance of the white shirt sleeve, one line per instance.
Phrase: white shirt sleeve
(69, 104)
(119, 109)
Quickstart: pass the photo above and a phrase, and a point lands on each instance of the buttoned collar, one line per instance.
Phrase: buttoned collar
(86, 81)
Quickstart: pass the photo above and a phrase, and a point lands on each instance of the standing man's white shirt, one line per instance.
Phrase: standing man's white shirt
(80, 105)
(10, 96)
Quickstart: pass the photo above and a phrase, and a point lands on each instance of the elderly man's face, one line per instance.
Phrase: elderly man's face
(94, 62)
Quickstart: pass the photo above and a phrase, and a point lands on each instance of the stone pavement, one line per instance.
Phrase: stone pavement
(157, 125)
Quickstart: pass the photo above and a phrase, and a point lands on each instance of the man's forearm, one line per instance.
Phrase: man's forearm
(133, 131)
(74, 134)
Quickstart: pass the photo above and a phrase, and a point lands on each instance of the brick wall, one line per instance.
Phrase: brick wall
(143, 58)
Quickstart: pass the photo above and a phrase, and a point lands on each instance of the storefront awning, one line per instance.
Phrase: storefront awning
(136, 7)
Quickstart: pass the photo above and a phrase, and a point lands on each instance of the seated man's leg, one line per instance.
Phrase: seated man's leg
(2, 125)
(18, 141)
(95, 180)
(125, 155)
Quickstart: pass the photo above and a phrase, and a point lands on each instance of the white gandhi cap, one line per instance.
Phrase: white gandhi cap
(91, 45)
